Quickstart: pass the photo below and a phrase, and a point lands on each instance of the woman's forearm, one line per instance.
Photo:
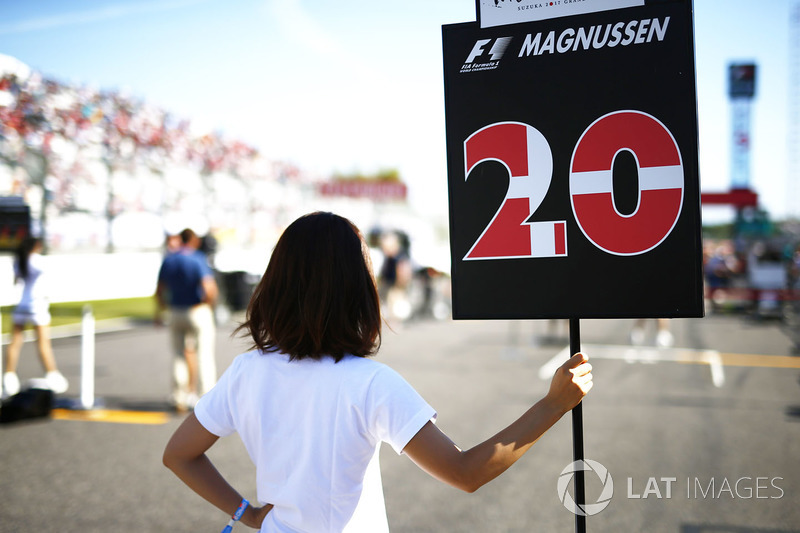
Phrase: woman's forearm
(200, 475)
(185, 456)
(489, 459)
(435, 453)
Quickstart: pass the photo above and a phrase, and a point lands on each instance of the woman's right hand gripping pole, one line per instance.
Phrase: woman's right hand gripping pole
(571, 382)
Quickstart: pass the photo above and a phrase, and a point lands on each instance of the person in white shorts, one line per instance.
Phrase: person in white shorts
(312, 409)
(34, 309)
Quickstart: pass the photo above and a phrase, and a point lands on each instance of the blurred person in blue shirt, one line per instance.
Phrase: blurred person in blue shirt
(187, 289)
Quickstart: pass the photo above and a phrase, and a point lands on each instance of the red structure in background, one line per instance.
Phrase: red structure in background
(373, 190)
(738, 198)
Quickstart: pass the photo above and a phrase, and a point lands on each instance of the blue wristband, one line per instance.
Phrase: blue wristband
(236, 516)
(240, 511)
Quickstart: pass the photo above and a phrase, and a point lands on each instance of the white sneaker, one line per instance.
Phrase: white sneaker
(10, 384)
(57, 382)
(664, 339)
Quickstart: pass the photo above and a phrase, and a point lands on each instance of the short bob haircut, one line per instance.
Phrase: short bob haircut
(317, 297)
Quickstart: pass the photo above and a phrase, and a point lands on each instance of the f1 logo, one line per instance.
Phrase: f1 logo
(496, 51)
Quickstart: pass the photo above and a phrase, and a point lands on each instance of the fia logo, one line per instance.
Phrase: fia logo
(486, 54)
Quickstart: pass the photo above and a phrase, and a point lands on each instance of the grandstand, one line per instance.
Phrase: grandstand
(109, 172)
(102, 171)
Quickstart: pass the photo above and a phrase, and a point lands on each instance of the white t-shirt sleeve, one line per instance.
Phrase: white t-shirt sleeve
(395, 411)
(213, 410)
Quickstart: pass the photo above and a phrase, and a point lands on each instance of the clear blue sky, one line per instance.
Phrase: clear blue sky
(353, 85)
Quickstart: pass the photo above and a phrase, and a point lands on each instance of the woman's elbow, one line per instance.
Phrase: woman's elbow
(474, 472)
(468, 481)
(166, 459)
(456, 477)
(169, 458)
(473, 483)
(469, 488)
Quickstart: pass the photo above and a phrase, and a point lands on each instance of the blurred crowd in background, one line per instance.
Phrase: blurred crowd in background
(759, 277)
(108, 170)
(103, 171)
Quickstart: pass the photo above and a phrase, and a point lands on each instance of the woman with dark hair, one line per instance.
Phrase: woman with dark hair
(33, 308)
(312, 408)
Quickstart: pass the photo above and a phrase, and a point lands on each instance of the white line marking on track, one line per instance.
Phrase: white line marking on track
(641, 354)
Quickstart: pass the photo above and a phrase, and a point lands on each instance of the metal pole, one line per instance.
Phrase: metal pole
(1, 353)
(110, 206)
(87, 358)
(577, 435)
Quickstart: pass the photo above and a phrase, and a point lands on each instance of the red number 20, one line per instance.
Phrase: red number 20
(527, 156)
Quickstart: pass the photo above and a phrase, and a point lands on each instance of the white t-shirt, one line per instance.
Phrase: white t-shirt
(34, 303)
(313, 430)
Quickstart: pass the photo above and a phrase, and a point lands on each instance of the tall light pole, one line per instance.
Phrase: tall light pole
(742, 85)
